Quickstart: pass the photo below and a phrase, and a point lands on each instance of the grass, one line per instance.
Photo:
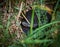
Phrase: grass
(32, 21)
(44, 35)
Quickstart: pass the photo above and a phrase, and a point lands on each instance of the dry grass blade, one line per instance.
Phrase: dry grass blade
(25, 18)
(20, 10)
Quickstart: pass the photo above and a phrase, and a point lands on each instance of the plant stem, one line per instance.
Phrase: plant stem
(32, 19)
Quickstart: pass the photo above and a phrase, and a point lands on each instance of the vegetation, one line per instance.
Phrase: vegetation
(13, 14)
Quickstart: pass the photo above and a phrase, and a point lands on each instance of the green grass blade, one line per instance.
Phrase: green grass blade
(32, 19)
(35, 41)
(41, 28)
